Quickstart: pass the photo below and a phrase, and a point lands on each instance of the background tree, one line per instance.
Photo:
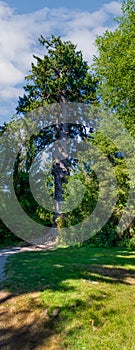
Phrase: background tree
(115, 66)
(115, 71)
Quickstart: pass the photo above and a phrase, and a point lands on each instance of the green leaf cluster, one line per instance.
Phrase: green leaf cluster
(115, 66)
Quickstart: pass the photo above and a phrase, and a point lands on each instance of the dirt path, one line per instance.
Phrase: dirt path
(5, 253)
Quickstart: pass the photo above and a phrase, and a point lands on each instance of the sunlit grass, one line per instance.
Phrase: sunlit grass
(85, 300)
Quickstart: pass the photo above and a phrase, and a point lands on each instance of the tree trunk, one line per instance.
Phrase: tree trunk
(61, 162)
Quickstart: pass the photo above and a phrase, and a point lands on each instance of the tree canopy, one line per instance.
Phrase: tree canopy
(62, 75)
(115, 66)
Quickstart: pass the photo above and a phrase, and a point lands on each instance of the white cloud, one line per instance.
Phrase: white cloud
(9, 74)
(5, 10)
(19, 34)
(114, 7)
(10, 92)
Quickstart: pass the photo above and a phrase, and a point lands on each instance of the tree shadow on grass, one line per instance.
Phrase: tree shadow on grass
(27, 330)
(27, 334)
(38, 271)
(50, 271)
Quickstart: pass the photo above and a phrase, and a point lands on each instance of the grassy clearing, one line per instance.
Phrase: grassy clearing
(75, 298)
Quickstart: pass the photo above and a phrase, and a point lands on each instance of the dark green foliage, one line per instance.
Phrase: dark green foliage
(7, 238)
(61, 75)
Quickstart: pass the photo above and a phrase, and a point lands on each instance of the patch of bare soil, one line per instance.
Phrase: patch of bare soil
(24, 321)
(25, 324)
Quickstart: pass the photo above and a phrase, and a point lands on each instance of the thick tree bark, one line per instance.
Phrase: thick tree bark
(61, 162)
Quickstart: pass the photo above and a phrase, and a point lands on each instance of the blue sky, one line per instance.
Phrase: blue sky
(22, 22)
(26, 6)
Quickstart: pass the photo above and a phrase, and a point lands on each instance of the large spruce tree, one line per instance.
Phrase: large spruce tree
(61, 76)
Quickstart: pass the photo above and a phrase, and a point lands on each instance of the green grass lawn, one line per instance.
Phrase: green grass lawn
(86, 298)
